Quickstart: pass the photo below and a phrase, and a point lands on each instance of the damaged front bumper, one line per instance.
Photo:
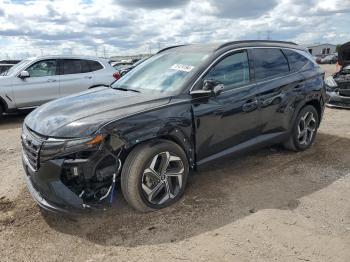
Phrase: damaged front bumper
(48, 191)
(337, 100)
(72, 182)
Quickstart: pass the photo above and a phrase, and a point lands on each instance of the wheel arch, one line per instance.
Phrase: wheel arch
(178, 139)
(316, 103)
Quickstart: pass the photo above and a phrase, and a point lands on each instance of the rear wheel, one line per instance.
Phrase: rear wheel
(154, 175)
(304, 130)
(1, 111)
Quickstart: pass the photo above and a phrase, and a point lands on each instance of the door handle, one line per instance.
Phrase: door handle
(88, 77)
(51, 80)
(250, 105)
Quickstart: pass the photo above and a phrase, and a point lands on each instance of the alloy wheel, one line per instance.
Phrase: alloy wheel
(162, 179)
(306, 128)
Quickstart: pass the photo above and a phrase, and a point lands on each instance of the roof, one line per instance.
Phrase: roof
(236, 44)
(67, 57)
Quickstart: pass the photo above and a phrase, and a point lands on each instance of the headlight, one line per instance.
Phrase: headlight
(330, 82)
(53, 147)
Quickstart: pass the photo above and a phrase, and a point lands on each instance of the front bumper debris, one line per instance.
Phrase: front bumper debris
(48, 191)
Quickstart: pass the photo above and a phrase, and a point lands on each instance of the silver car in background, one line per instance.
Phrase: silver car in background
(35, 81)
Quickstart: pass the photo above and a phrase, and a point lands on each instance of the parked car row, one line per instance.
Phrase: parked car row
(5, 65)
(173, 113)
(329, 59)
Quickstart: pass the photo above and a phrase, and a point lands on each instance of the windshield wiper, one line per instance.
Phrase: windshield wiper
(126, 89)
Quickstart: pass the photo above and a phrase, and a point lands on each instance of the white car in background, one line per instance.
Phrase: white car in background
(35, 81)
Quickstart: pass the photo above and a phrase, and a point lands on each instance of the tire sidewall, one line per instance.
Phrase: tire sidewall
(302, 112)
(149, 151)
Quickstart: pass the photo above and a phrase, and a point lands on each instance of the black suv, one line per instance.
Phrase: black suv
(180, 109)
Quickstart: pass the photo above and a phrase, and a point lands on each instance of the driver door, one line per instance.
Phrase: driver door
(230, 119)
(41, 86)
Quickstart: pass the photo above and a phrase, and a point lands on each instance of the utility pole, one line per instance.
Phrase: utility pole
(104, 51)
(268, 34)
(150, 48)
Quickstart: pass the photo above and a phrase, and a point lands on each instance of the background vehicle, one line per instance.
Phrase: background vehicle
(126, 68)
(35, 81)
(179, 110)
(338, 85)
(5, 65)
(329, 59)
(121, 65)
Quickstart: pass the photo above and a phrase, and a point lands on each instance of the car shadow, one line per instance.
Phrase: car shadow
(271, 178)
(12, 121)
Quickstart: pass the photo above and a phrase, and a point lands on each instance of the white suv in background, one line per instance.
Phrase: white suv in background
(35, 81)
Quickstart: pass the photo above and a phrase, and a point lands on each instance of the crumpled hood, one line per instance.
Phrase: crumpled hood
(82, 114)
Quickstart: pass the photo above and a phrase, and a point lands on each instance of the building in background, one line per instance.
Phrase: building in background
(322, 49)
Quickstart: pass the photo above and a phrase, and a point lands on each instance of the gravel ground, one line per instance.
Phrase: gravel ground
(271, 205)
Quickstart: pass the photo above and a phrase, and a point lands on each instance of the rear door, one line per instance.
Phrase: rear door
(277, 84)
(40, 87)
(232, 117)
(75, 76)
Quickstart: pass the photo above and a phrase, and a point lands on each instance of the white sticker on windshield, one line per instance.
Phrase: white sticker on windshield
(180, 67)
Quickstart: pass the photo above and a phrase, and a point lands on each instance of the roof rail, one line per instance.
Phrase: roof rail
(254, 41)
(169, 47)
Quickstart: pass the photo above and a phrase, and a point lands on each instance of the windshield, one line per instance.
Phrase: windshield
(164, 72)
(17, 66)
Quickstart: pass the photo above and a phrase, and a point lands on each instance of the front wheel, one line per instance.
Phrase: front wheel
(304, 131)
(154, 175)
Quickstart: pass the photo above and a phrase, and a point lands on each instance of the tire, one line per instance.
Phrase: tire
(1, 111)
(300, 138)
(146, 181)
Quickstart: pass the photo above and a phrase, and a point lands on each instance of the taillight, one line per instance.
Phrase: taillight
(116, 75)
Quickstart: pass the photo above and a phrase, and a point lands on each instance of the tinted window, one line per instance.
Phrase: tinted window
(232, 71)
(74, 66)
(43, 68)
(94, 65)
(78, 66)
(296, 60)
(269, 62)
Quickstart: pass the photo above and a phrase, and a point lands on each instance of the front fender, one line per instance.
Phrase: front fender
(172, 122)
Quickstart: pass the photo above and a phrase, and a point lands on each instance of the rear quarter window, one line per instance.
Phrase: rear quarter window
(269, 62)
(94, 65)
(296, 61)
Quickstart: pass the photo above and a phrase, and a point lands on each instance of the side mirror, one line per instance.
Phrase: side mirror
(216, 87)
(210, 88)
(23, 74)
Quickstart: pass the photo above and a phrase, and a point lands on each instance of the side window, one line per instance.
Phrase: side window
(269, 62)
(232, 71)
(94, 65)
(72, 66)
(296, 60)
(43, 68)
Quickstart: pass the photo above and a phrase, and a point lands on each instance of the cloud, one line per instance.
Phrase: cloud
(152, 4)
(242, 9)
(134, 26)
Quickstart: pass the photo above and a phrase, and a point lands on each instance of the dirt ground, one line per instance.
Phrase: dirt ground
(271, 205)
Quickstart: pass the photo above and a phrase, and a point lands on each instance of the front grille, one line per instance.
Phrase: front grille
(344, 88)
(31, 144)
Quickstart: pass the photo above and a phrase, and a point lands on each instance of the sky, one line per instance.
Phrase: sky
(123, 27)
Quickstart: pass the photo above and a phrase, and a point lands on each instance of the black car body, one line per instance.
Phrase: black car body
(338, 85)
(232, 98)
